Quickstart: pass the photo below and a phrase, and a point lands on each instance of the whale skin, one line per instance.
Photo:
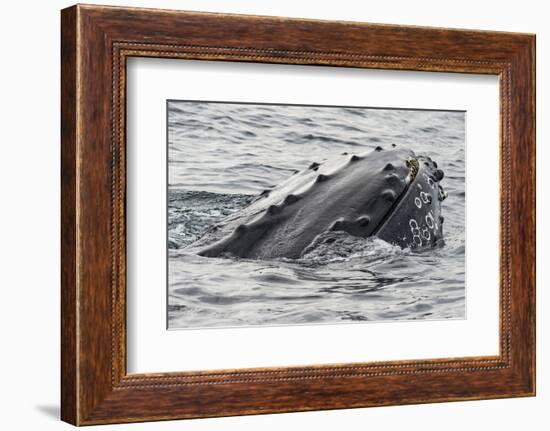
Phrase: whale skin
(393, 194)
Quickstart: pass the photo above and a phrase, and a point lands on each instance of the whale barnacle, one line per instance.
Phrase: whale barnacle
(412, 164)
(389, 167)
(438, 174)
(354, 158)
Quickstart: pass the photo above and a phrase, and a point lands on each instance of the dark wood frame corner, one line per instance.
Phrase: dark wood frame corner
(95, 43)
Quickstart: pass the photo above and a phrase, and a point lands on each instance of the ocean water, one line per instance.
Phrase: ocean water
(221, 155)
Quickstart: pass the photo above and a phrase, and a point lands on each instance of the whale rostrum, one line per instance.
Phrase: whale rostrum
(392, 194)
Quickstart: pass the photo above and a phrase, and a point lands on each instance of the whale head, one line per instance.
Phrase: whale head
(390, 193)
(415, 220)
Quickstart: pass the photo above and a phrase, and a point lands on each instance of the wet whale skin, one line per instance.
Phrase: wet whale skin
(393, 194)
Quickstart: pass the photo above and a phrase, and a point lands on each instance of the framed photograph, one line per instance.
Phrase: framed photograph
(264, 214)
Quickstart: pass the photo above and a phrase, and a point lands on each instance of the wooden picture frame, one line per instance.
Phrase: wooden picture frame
(95, 43)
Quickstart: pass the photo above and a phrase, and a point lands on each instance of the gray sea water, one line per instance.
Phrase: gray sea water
(220, 155)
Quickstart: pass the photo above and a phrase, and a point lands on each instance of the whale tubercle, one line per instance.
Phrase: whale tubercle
(337, 225)
(388, 195)
(290, 199)
(241, 229)
(273, 209)
(363, 220)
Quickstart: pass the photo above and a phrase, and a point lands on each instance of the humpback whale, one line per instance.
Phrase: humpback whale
(392, 194)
